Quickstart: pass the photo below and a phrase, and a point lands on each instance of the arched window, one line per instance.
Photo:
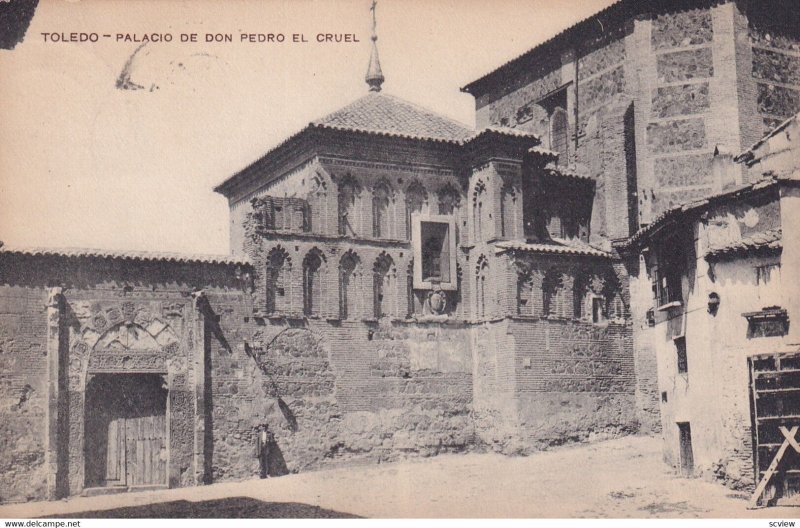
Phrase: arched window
(478, 197)
(581, 296)
(349, 285)
(312, 282)
(381, 197)
(508, 212)
(524, 292)
(616, 308)
(278, 290)
(348, 192)
(318, 204)
(481, 276)
(416, 198)
(553, 295)
(384, 286)
(559, 134)
(449, 199)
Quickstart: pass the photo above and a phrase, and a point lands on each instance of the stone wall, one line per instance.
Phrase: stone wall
(340, 393)
(107, 316)
(685, 74)
(682, 47)
(23, 392)
(771, 63)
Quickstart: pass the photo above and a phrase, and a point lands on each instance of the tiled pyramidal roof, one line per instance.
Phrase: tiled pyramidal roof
(385, 114)
(379, 114)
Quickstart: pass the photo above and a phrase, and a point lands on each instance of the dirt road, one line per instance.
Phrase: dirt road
(613, 479)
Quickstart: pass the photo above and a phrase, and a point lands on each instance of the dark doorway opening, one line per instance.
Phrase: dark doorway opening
(126, 433)
(687, 458)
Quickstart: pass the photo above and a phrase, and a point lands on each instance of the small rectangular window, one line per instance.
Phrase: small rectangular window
(435, 249)
(671, 264)
(680, 347)
(434, 252)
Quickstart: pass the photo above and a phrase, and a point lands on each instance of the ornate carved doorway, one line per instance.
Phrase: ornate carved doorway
(126, 433)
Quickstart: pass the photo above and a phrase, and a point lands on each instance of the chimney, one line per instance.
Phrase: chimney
(724, 172)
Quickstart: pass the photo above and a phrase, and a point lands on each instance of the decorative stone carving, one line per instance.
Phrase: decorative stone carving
(173, 309)
(128, 311)
(54, 297)
(99, 322)
(437, 301)
(114, 362)
(114, 315)
(126, 336)
(176, 364)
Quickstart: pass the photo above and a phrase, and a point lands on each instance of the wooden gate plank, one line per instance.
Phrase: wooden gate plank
(112, 445)
(130, 452)
(148, 460)
(140, 461)
(161, 431)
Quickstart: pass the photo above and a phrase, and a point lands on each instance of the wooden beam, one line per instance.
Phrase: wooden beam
(789, 435)
(772, 468)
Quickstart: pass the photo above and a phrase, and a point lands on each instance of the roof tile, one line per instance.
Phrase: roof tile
(124, 255)
(770, 239)
(563, 246)
(382, 113)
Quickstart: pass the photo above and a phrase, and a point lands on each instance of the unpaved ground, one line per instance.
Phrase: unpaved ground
(616, 478)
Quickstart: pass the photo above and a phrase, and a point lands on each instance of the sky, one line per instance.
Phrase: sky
(84, 163)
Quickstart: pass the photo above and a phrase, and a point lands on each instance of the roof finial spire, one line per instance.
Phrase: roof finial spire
(374, 76)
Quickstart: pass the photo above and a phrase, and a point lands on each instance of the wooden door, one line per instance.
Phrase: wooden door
(687, 456)
(115, 453)
(126, 432)
(145, 451)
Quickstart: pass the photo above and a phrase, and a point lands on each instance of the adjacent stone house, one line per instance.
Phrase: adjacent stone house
(714, 282)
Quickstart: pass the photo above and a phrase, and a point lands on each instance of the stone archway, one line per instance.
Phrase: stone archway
(126, 371)
(126, 411)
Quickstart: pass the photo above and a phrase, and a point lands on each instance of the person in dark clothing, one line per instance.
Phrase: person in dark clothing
(264, 440)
